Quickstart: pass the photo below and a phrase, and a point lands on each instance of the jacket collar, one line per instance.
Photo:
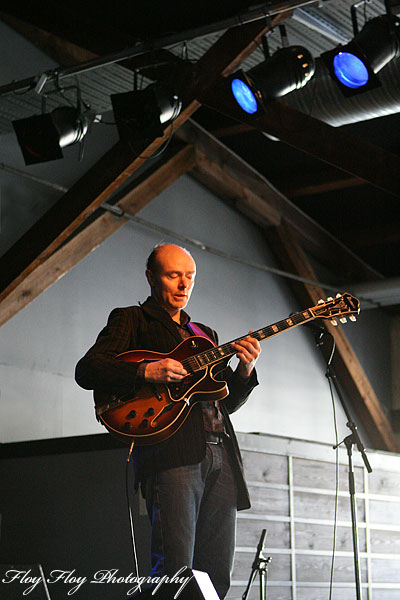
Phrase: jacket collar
(156, 311)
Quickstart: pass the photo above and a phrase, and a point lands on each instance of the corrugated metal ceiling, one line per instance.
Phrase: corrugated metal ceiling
(315, 28)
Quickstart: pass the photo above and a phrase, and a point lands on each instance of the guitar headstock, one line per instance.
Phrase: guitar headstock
(337, 308)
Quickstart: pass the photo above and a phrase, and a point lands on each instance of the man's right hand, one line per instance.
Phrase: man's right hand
(166, 370)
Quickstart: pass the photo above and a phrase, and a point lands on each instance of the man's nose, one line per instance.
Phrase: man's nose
(183, 283)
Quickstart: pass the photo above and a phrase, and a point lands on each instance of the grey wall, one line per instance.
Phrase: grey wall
(41, 344)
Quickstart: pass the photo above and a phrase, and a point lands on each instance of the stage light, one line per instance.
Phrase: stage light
(143, 114)
(42, 137)
(350, 70)
(288, 69)
(244, 96)
(354, 66)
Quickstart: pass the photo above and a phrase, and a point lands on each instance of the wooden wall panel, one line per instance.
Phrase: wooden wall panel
(249, 530)
(292, 487)
(271, 469)
(386, 571)
(319, 538)
(310, 568)
(322, 475)
(323, 594)
(385, 542)
(382, 511)
(322, 506)
(269, 501)
(380, 482)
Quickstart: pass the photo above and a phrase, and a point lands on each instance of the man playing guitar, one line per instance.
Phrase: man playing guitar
(192, 479)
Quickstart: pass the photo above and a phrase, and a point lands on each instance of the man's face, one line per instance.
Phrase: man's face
(173, 279)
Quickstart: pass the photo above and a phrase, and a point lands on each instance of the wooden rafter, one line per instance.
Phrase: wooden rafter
(338, 148)
(62, 51)
(225, 173)
(346, 364)
(179, 161)
(319, 183)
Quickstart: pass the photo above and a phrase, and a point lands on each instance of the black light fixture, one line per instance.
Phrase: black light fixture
(288, 69)
(42, 137)
(354, 66)
(143, 114)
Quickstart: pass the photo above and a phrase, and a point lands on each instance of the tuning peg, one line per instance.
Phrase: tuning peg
(343, 320)
(334, 322)
(352, 318)
(338, 295)
(329, 298)
(320, 301)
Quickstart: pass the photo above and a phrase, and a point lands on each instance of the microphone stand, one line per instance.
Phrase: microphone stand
(349, 441)
(260, 566)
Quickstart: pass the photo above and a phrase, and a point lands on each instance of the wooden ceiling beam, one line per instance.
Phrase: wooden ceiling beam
(68, 54)
(224, 172)
(381, 234)
(329, 144)
(64, 52)
(345, 362)
(66, 23)
(321, 184)
(178, 161)
(119, 163)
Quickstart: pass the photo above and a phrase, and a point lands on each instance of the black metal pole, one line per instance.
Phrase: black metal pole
(349, 441)
(319, 334)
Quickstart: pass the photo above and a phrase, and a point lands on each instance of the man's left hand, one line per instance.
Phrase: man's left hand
(248, 351)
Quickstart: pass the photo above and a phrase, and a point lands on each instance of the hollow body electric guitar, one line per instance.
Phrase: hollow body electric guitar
(159, 410)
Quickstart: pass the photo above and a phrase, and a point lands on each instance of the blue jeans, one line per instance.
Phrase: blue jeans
(193, 515)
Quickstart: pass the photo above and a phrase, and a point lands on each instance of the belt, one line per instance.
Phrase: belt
(215, 437)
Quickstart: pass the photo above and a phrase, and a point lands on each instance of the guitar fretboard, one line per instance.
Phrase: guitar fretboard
(213, 355)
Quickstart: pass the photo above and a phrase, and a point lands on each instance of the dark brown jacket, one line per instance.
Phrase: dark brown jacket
(150, 327)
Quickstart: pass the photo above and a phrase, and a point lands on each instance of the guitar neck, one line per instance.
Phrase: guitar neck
(213, 355)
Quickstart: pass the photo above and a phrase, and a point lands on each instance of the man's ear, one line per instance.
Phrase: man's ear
(150, 277)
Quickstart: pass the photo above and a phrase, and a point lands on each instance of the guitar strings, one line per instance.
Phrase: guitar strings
(212, 355)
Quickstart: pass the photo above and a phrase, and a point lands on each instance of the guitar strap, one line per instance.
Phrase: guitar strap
(196, 330)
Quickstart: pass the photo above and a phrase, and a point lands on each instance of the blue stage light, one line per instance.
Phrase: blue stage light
(354, 66)
(244, 96)
(350, 70)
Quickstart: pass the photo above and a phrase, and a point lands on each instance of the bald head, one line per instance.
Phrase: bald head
(164, 250)
(170, 272)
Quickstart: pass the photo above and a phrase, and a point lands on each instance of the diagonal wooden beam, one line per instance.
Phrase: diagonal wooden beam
(65, 23)
(228, 175)
(346, 364)
(332, 145)
(121, 162)
(318, 183)
(64, 52)
(179, 161)
(68, 54)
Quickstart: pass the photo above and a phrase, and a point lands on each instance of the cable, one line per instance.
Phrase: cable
(336, 470)
(131, 525)
(200, 245)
